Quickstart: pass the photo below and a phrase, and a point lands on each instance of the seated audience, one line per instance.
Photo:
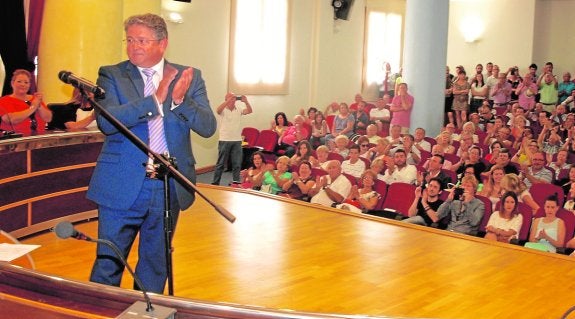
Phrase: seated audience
(492, 187)
(413, 154)
(322, 154)
(301, 182)
(398, 171)
(310, 117)
(340, 146)
(77, 113)
(433, 170)
(566, 183)
(290, 136)
(381, 150)
(279, 124)
(494, 149)
(438, 150)
(465, 211)
(303, 153)
(319, 130)
(275, 180)
(444, 140)
(331, 109)
(342, 124)
(504, 161)
(524, 156)
(362, 199)
(549, 140)
(570, 200)
(505, 224)
(377, 167)
(252, 176)
(361, 119)
(536, 173)
(394, 138)
(332, 188)
(419, 140)
(380, 115)
(471, 157)
(363, 143)
(548, 231)
(353, 166)
(423, 209)
(371, 134)
(512, 182)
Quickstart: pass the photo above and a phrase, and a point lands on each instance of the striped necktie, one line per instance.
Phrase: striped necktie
(158, 142)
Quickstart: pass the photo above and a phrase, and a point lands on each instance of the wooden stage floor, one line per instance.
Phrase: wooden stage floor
(288, 255)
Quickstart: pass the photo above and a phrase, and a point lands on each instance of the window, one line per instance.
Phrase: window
(259, 47)
(384, 31)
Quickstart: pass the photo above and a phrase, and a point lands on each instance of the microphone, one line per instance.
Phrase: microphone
(81, 83)
(65, 230)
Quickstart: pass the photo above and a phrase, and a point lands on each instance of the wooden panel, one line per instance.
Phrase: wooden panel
(61, 206)
(44, 184)
(14, 218)
(283, 254)
(13, 164)
(53, 157)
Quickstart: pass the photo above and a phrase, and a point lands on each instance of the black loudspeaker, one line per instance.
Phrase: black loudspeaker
(341, 8)
(188, 1)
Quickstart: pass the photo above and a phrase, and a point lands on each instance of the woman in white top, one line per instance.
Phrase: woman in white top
(479, 91)
(505, 224)
(549, 231)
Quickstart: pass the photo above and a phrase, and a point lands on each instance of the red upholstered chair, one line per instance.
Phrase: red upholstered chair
(250, 135)
(527, 214)
(488, 211)
(381, 188)
(399, 197)
(267, 141)
(564, 173)
(351, 178)
(451, 175)
(329, 120)
(541, 191)
(335, 156)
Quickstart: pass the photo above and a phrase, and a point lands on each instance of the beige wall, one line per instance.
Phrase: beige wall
(325, 58)
(506, 41)
(326, 54)
(553, 36)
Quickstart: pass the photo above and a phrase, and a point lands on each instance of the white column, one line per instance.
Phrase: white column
(424, 61)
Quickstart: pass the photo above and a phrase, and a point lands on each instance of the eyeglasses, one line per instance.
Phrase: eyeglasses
(140, 42)
(364, 145)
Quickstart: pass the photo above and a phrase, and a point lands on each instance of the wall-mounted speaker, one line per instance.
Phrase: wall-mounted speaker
(188, 1)
(341, 8)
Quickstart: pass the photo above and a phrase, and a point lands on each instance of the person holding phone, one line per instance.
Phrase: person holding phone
(230, 143)
(466, 210)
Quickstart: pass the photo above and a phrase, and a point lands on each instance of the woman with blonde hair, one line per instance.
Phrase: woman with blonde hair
(444, 140)
(492, 187)
(512, 183)
(275, 180)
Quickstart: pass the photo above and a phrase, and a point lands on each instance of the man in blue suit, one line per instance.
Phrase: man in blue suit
(161, 103)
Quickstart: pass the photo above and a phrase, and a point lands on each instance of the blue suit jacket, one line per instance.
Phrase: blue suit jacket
(120, 171)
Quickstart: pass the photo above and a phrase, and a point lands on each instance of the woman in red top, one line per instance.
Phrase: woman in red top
(20, 111)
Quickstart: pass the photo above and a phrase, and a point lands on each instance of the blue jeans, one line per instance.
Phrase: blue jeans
(233, 149)
(146, 216)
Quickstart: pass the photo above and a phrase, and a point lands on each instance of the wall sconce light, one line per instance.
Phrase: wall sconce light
(472, 28)
(175, 17)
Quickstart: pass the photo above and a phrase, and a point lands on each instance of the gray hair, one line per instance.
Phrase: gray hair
(152, 21)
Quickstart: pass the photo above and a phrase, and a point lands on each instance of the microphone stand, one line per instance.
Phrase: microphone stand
(167, 168)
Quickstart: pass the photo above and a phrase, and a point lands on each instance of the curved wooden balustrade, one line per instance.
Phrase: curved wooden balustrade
(44, 178)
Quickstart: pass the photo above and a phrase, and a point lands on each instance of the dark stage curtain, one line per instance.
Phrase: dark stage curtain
(13, 47)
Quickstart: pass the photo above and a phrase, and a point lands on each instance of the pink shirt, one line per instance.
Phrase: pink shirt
(403, 118)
